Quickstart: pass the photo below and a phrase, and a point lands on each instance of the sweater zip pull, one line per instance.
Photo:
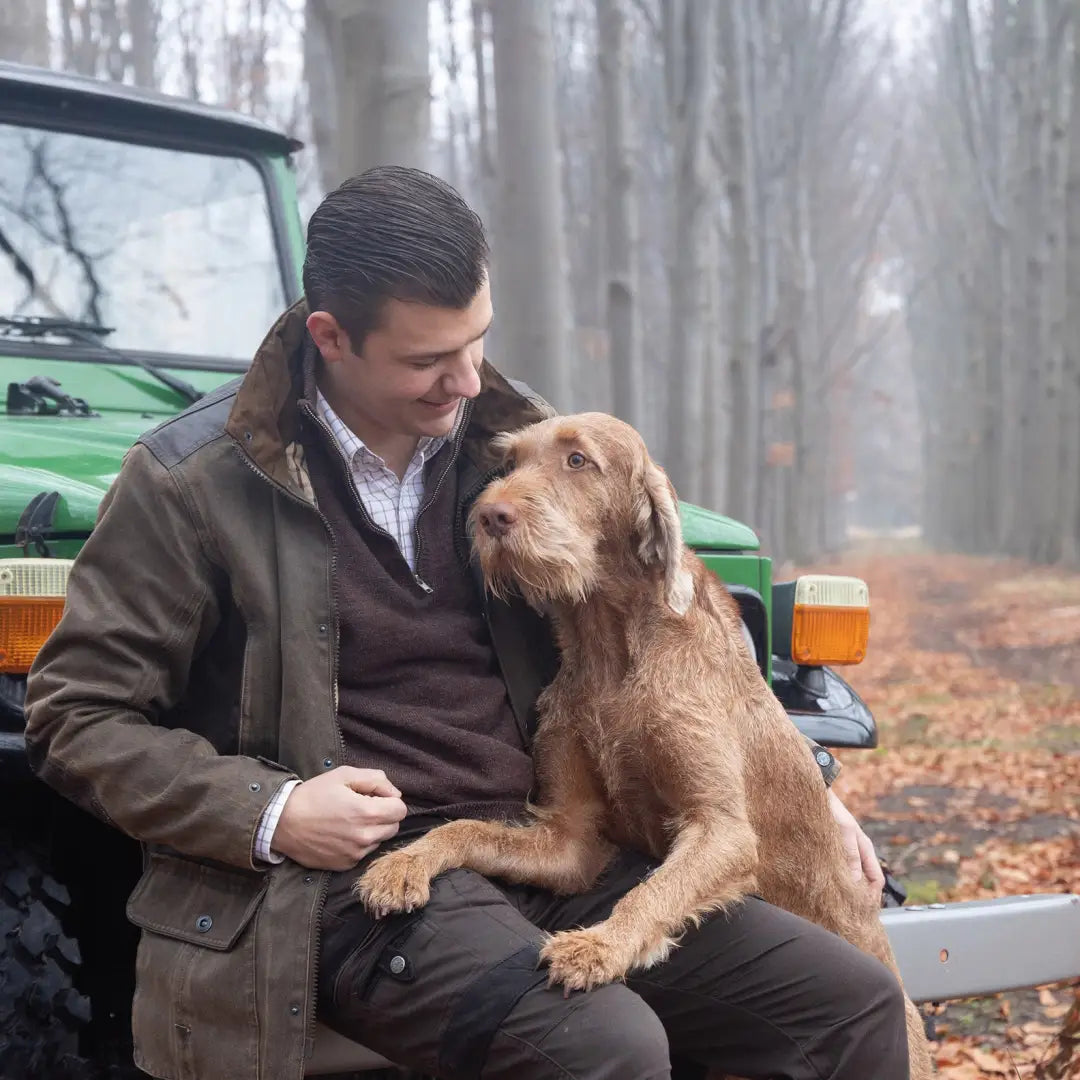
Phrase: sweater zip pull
(422, 583)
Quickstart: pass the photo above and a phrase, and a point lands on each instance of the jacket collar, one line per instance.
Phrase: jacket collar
(264, 419)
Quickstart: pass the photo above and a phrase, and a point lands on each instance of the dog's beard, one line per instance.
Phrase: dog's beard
(542, 558)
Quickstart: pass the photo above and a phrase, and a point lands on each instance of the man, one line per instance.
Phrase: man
(276, 656)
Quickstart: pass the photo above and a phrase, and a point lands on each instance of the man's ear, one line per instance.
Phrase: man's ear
(660, 536)
(329, 337)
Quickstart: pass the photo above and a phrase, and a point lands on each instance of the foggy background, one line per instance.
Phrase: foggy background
(816, 252)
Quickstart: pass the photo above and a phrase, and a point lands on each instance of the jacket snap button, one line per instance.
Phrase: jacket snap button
(322, 628)
(255, 786)
(328, 763)
(204, 922)
(397, 965)
(308, 879)
(294, 1009)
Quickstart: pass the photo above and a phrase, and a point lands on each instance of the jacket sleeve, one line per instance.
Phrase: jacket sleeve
(140, 606)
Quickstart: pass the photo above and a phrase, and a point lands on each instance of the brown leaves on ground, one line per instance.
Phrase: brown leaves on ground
(973, 676)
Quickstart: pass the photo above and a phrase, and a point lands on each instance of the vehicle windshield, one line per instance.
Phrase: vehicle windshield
(173, 250)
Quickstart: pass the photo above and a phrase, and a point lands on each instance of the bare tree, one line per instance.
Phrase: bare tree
(144, 20)
(689, 54)
(623, 319)
(24, 33)
(531, 294)
(744, 319)
(378, 57)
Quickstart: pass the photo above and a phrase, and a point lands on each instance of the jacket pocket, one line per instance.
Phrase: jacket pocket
(195, 1011)
(203, 904)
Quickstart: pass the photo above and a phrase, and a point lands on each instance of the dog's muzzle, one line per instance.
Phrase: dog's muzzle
(497, 519)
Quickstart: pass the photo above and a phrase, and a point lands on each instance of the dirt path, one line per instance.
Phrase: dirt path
(973, 675)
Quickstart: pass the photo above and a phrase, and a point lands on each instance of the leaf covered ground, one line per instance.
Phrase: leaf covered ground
(973, 675)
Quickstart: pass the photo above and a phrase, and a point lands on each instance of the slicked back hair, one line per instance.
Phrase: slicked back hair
(392, 233)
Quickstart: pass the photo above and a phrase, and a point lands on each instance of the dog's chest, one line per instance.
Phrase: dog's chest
(633, 787)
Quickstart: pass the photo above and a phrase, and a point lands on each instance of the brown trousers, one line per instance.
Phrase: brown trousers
(454, 991)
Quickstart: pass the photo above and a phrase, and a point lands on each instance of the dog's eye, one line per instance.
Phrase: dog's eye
(575, 460)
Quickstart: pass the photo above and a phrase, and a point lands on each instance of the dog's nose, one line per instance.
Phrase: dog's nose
(497, 519)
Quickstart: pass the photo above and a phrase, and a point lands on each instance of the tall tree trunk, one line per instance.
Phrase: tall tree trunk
(144, 21)
(321, 58)
(743, 309)
(381, 84)
(24, 32)
(620, 203)
(486, 162)
(1069, 464)
(453, 75)
(530, 292)
(689, 63)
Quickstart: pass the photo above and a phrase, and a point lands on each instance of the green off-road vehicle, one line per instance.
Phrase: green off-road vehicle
(146, 244)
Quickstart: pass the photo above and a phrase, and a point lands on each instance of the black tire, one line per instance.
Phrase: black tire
(41, 1011)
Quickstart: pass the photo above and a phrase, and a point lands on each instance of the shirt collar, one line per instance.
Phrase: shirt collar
(425, 448)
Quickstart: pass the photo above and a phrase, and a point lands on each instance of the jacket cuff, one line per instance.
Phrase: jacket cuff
(264, 834)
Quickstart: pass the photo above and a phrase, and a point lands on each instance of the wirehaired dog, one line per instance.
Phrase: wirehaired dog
(658, 732)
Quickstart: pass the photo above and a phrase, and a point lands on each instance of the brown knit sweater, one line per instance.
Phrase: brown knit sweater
(420, 693)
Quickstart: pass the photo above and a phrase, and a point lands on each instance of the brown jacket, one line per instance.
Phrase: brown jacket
(194, 672)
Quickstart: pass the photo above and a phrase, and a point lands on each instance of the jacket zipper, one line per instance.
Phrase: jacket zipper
(466, 502)
(358, 503)
(324, 884)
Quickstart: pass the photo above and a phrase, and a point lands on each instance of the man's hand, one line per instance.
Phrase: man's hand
(861, 857)
(332, 821)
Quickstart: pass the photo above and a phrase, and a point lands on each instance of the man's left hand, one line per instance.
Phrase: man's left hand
(862, 860)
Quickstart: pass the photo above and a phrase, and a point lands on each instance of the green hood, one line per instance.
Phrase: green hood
(79, 456)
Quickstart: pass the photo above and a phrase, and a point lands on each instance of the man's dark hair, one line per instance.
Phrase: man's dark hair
(392, 233)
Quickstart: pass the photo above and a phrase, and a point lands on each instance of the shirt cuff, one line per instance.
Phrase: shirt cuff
(268, 823)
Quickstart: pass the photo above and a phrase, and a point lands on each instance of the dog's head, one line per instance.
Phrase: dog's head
(581, 502)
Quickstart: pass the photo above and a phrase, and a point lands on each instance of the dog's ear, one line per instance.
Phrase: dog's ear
(660, 536)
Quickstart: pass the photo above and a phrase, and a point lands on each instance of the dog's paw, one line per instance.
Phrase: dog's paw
(583, 959)
(394, 883)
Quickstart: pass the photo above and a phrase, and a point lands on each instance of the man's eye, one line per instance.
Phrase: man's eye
(423, 364)
(575, 460)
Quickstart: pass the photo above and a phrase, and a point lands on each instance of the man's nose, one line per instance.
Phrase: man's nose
(497, 519)
(462, 380)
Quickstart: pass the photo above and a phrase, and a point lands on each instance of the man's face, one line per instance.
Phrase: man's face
(411, 373)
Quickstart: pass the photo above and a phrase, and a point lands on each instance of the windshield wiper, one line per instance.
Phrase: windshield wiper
(88, 333)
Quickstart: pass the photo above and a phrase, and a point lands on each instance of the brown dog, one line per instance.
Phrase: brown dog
(658, 732)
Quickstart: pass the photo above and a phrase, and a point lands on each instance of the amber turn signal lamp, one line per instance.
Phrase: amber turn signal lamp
(829, 619)
(32, 593)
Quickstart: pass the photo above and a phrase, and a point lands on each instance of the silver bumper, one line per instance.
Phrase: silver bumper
(976, 947)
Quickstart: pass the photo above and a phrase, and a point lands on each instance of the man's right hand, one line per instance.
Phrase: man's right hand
(333, 820)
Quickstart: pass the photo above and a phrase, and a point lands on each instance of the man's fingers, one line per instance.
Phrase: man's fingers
(382, 809)
(854, 861)
(870, 865)
(369, 782)
(373, 835)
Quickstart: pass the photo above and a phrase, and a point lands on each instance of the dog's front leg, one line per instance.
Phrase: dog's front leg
(560, 852)
(710, 866)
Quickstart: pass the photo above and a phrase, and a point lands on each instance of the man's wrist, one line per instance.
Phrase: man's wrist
(264, 835)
